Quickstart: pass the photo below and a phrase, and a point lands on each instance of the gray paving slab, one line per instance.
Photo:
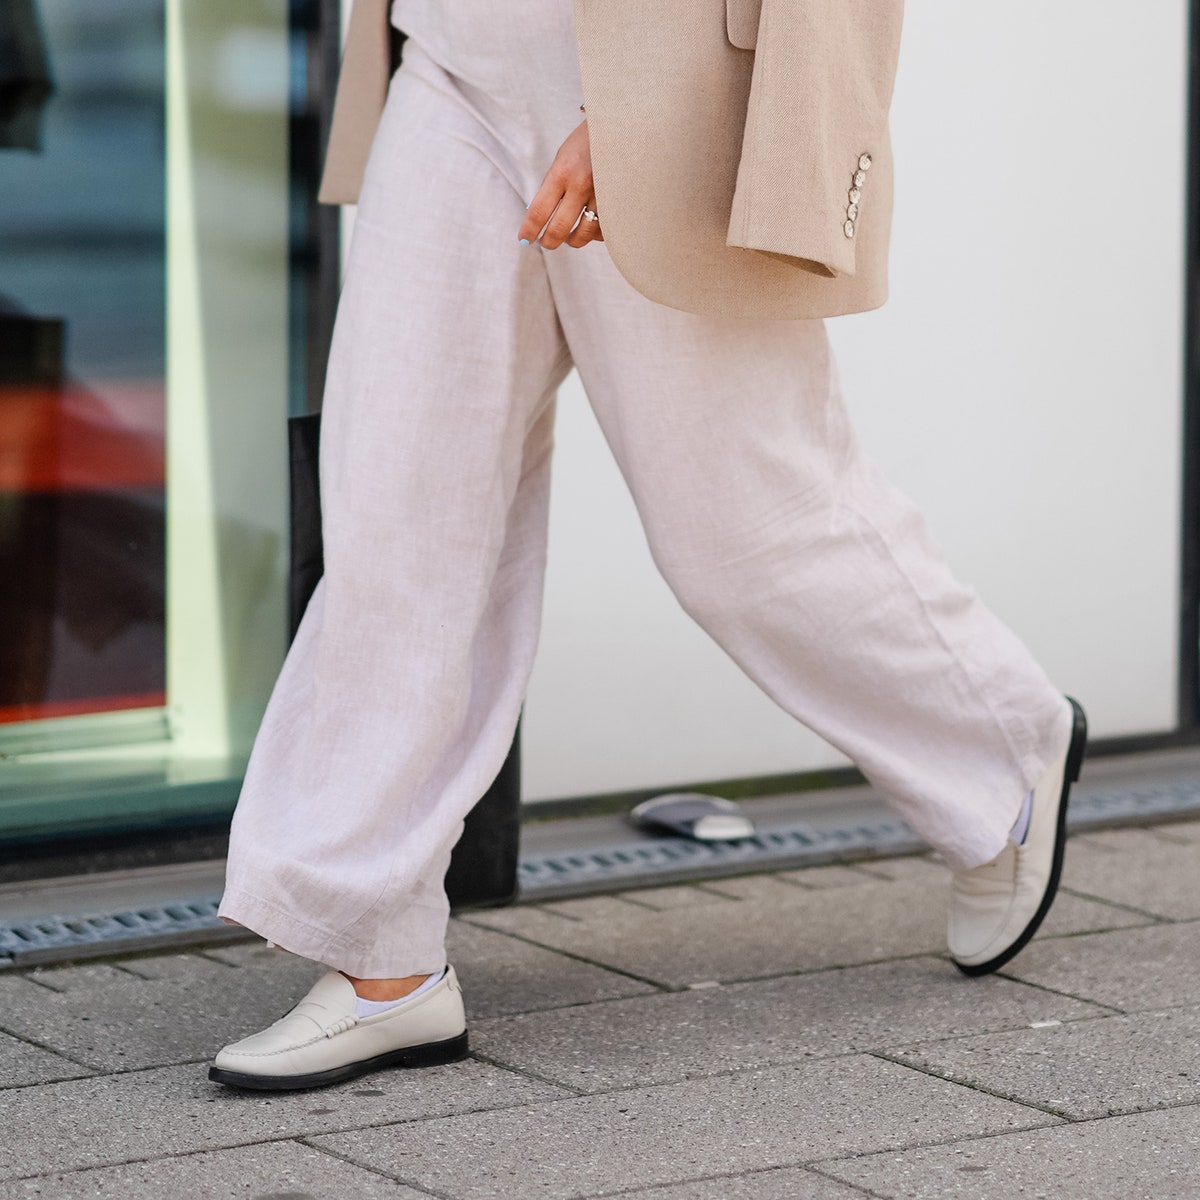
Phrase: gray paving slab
(1132, 866)
(1096, 1068)
(175, 1110)
(781, 929)
(272, 1171)
(112, 1019)
(844, 962)
(681, 1035)
(288, 973)
(1072, 915)
(914, 867)
(652, 1136)
(830, 876)
(501, 974)
(787, 1183)
(663, 898)
(1187, 832)
(1157, 966)
(1131, 838)
(764, 890)
(21, 1063)
(1150, 1156)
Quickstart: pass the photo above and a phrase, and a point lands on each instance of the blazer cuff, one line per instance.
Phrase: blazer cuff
(809, 144)
(824, 256)
(811, 219)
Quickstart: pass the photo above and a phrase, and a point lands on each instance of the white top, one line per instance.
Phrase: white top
(489, 45)
(514, 65)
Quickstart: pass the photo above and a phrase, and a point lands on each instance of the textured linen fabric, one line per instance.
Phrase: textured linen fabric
(741, 121)
(753, 152)
(400, 696)
(824, 71)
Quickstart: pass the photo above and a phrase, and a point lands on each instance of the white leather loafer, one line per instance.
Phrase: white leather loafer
(996, 908)
(322, 1041)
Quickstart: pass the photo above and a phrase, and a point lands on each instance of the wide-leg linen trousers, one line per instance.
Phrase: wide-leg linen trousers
(400, 696)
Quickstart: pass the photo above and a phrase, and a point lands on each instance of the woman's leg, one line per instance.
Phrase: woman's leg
(781, 538)
(398, 700)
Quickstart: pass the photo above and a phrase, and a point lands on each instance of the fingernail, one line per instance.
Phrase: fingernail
(524, 241)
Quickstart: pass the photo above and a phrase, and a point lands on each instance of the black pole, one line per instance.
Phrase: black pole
(327, 217)
(314, 236)
(1189, 612)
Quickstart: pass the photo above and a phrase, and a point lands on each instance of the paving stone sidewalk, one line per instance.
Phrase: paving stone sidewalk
(797, 1035)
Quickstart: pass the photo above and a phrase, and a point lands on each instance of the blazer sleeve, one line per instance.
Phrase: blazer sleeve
(358, 103)
(819, 97)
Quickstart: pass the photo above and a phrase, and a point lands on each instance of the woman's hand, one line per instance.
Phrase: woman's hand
(556, 212)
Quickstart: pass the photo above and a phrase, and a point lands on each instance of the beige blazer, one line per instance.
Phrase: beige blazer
(741, 154)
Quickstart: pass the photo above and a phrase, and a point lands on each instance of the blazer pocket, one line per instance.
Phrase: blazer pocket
(741, 22)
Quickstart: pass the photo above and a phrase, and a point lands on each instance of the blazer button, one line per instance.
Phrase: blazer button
(852, 212)
(848, 229)
(855, 195)
(860, 177)
(864, 162)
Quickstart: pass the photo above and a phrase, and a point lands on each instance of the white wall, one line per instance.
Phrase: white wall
(1023, 385)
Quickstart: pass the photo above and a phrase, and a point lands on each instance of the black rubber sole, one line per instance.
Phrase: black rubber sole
(432, 1054)
(1070, 775)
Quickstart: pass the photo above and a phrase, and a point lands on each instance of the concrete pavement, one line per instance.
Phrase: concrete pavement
(797, 1034)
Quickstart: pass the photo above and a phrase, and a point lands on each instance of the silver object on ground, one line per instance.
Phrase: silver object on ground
(694, 815)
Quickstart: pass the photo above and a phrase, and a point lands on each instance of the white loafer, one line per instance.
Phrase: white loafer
(996, 908)
(322, 1041)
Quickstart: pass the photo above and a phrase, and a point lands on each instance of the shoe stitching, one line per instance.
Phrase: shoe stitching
(273, 1053)
(344, 1023)
(332, 1031)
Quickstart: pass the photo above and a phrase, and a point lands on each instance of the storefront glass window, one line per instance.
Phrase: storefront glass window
(82, 361)
(144, 386)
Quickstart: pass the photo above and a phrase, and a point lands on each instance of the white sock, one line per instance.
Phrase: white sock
(368, 1008)
(1021, 826)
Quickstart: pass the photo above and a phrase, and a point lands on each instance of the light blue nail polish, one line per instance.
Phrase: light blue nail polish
(524, 241)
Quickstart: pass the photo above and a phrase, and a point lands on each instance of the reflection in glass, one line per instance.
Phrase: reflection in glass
(82, 357)
(144, 374)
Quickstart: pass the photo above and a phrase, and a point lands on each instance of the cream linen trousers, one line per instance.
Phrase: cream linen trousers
(400, 696)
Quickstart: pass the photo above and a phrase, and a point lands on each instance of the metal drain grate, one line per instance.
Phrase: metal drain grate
(662, 860)
(639, 861)
(59, 937)
(1121, 805)
(633, 860)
